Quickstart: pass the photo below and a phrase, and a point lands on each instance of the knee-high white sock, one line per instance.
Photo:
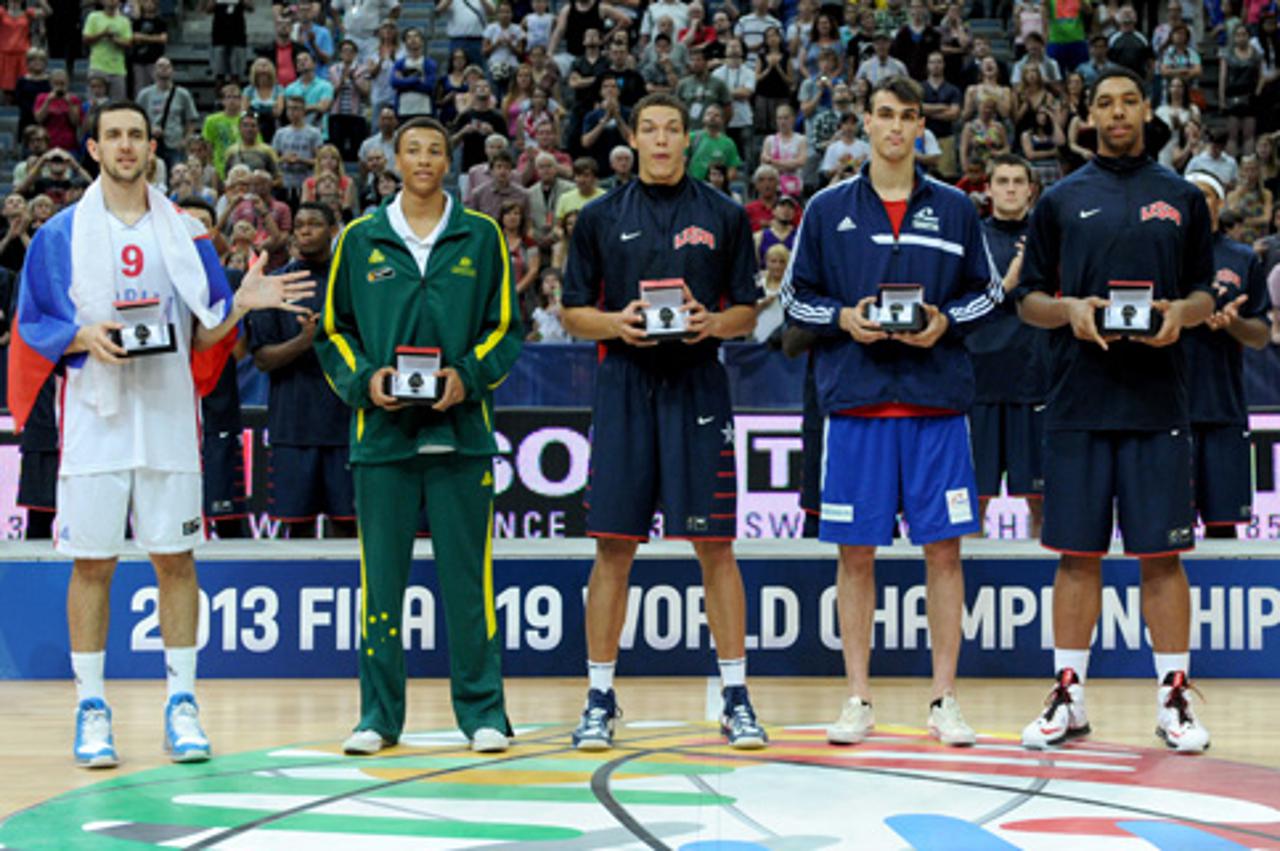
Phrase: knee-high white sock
(180, 670)
(600, 675)
(733, 672)
(1167, 663)
(88, 668)
(1076, 660)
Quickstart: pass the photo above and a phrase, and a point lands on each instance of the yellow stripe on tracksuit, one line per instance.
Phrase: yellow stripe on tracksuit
(490, 615)
(330, 328)
(504, 316)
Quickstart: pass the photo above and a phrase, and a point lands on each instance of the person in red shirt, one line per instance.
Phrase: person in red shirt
(760, 211)
(15, 40)
(58, 112)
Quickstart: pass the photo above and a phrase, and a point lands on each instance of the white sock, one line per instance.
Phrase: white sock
(87, 668)
(180, 669)
(1166, 663)
(733, 672)
(1076, 660)
(600, 675)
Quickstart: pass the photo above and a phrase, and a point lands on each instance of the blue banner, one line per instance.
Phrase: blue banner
(300, 618)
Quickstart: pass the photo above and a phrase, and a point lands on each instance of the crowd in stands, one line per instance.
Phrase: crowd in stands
(538, 97)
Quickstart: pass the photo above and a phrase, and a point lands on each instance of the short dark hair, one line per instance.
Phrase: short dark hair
(198, 203)
(95, 117)
(1013, 160)
(329, 219)
(423, 122)
(660, 99)
(585, 165)
(503, 156)
(1034, 36)
(1111, 72)
(903, 88)
(295, 99)
(1098, 38)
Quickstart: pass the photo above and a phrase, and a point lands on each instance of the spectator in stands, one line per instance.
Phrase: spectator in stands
(1027, 19)
(480, 174)
(564, 236)
(13, 246)
(586, 188)
(515, 101)
(1098, 60)
(825, 36)
(372, 165)
(171, 110)
(880, 64)
(546, 326)
(1176, 111)
(500, 189)
(282, 53)
(311, 32)
(58, 112)
(1179, 60)
(465, 21)
(264, 97)
(718, 179)
(989, 88)
(538, 24)
(544, 195)
(1251, 201)
(39, 210)
(450, 86)
(710, 145)
(541, 109)
(752, 26)
(1129, 48)
(860, 44)
(1239, 78)
(769, 314)
(606, 126)
(544, 143)
(659, 69)
(229, 39)
(98, 94)
(815, 91)
(983, 137)
(200, 155)
(502, 44)
(361, 20)
(1162, 33)
(150, 36)
(349, 78)
(386, 187)
(315, 91)
(1066, 35)
(329, 161)
(546, 73)
(35, 142)
(584, 77)
(916, 40)
(781, 229)
(16, 20)
(740, 80)
(787, 151)
(251, 150)
(480, 120)
(54, 178)
(1050, 73)
(890, 17)
(1213, 158)
(631, 84)
(846, 153)
(308, 423)
(774, 81)
(1268, 161)
(109, 34)
(941, 108)
(296, 145)
(974, 72)
(413, 78)
(523, 252)
(621, 165)
(760, 210)
(31, 85)
(1031, 95)
(381, 64)
(1040, 144)
(384, 139)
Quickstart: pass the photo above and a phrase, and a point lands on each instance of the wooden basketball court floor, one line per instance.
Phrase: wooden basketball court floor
(36, 725)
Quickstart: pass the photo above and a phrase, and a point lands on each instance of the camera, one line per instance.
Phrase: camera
(145, 331)
(900, 309)
(414, 382)
(664, 318)
(1130, 313)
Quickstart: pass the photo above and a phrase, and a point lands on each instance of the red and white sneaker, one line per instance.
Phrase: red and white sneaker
(1063, 718)
(1176, 724)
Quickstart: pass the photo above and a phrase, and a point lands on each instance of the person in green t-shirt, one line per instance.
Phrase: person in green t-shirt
(1066, 29)
(222, 129)
(108, 34)
(711, 145)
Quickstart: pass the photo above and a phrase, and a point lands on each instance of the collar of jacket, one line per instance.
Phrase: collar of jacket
(1122, 165)
(455, 228)
(921, 187)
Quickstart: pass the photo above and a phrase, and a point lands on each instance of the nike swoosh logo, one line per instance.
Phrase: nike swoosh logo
(705, 420)
(1050, 731)
(1084, 214)
(627, 237)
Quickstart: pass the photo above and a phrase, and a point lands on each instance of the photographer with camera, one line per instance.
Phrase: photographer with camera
(55, 173)
(59, 112)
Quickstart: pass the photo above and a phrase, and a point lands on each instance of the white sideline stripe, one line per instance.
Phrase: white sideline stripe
(940, 756)
(923, 241)
(714, 701)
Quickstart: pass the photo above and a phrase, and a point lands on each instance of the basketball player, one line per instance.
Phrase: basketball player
(424, 271)
(895, 431)
(662, 422)
(1117, 427)
(129, 439)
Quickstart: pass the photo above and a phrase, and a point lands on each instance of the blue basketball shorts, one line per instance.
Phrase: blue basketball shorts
(1223, 474)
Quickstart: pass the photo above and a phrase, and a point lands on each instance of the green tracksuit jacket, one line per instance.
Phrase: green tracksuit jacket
(465, 304)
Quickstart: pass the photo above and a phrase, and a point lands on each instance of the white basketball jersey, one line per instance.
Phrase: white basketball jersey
(156, 424)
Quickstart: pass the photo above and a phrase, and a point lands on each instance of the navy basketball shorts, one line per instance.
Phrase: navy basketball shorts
(38, 480)
(1223, 474)
(875, 467)
(1007, 439)
(662, 442)
(222, 457)
(1146, 475)
(307, 481)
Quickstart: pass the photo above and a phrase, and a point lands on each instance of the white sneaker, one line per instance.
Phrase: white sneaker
(489, 740)
(365, 742)
(948, 726)
(1176, 724)
(94, 746)
(1063, 718)
(855, 722)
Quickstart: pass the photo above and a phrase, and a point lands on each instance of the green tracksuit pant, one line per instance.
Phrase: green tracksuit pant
(457, 491)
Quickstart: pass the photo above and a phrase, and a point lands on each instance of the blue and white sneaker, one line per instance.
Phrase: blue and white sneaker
(738, 723)
(595, 729)
(95, 746)
(184, 738)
